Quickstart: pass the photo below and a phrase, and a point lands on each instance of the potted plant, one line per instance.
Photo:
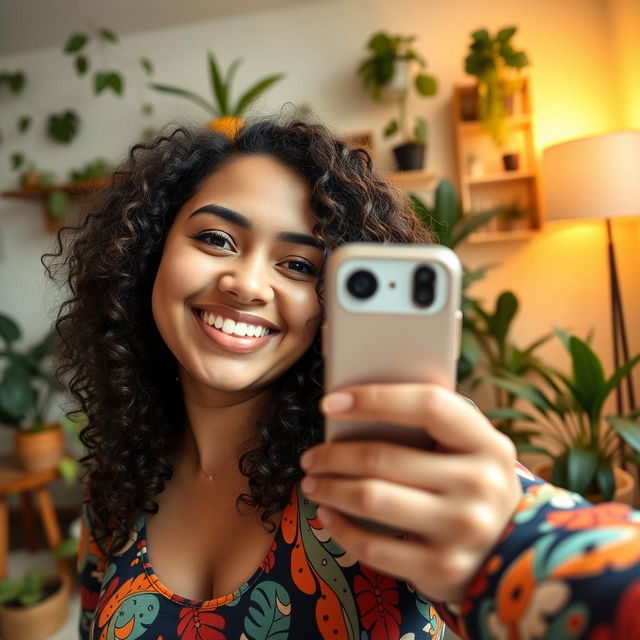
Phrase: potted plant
(227, 116)
(497, 66)
(26, 392)
(585, 456)
(37, 605)
(386, 74)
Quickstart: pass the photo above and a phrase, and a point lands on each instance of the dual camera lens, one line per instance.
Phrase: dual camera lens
(362, 284)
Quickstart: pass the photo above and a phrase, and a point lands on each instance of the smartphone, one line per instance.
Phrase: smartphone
(392, 314)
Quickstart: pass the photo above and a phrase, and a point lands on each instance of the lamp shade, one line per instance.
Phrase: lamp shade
(595, 177)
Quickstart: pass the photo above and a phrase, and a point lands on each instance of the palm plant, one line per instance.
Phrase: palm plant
(222, 105)
(583, 450)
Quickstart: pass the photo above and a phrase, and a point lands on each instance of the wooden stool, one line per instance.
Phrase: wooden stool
(14, 479)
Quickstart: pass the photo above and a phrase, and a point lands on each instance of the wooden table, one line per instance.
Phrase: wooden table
(14, 479)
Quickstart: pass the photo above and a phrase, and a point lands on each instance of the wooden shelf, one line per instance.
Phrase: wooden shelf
(506, 176)
(421, 179)
(72, 189)
(482, 180)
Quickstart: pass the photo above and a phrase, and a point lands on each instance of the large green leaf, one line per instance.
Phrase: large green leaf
(605, 480)
(582, 467)
(526, 391)
(588, 375)
(627, 429)
(469, 347)
(617, 377)
(250, 96)
(201, 102)
(446, 212)
(500, 321)
(472, 222)
(17, 396)
(9, 330)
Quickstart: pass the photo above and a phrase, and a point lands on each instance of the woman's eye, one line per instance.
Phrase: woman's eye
(216, 239)
(300, 266)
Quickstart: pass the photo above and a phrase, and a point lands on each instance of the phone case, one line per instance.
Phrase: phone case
(385, 339)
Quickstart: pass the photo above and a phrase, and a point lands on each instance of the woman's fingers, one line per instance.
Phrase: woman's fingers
(431, 517)
(452, 421)
(437, 472)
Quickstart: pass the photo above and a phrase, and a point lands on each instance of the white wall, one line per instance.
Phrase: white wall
(560, 276)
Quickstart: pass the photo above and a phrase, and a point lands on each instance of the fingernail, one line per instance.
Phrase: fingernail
(337, 402)
(309, 485)
(306, 460)
(324, 515)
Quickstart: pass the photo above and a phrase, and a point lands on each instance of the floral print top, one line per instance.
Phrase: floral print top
(563, 569)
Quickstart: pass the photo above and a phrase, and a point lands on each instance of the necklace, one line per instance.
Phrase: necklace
(206, 475)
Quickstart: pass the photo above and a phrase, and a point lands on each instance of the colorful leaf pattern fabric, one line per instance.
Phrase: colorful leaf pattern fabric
(563, 569)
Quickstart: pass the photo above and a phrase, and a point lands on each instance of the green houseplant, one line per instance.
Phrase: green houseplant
(226, 114)
(497, 66)
(37, 605)
(386, 73)
(582, 450)
(26, 392)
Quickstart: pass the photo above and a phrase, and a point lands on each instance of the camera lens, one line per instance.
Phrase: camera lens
(424, 286)
(362, 284)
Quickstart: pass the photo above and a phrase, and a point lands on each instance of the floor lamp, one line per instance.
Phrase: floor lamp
(598, 177)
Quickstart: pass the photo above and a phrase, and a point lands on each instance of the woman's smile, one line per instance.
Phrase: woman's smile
(234, 331)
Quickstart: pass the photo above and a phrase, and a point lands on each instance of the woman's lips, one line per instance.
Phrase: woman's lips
(230, 342)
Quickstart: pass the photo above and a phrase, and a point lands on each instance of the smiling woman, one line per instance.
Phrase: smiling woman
(191, 340)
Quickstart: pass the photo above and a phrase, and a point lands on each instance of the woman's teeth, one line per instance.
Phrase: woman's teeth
(231, 327)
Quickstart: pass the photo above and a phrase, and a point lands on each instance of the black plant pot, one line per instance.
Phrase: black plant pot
(410, 156)
(511, 161)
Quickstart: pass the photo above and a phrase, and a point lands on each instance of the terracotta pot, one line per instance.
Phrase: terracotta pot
(625, 485)
(39, 620)
(39, 450)
(227, 125)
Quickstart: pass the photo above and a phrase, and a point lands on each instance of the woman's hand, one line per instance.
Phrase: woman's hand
(453, 502)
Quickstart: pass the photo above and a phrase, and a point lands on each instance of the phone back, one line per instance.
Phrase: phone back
(392, 315)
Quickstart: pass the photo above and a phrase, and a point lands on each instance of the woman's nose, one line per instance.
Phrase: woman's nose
(248, 282)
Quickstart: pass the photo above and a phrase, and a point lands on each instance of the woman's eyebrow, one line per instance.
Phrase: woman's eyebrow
(242, 221)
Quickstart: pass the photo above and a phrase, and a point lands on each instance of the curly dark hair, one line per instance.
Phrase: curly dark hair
(118, 368)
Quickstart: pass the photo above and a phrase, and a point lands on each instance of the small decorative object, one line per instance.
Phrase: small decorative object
(26, 390)
(227, 116)
(386, 73)
(474, 166)
(584, 453)
(511, 161)
(496, 65)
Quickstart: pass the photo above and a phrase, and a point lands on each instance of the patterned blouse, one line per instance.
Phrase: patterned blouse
(563, 569)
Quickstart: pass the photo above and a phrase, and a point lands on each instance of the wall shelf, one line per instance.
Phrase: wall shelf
(482, 179)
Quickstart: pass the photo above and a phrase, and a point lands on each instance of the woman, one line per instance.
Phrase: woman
(191, 341)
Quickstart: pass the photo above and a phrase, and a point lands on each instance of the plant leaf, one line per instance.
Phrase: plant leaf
(426, 85)
(471, 222)
(81, 64)
(17, 160)
(420, 131)
(24, 123)
(63, 127)
(201, 102)
(588, 375)
(582, 467)
(508, 413)
(17, 396)
(627, 429)
(605, 480)
(255, 92)
(391, 128)
(220, 91)
(9, 330)
(500, 321)
(617, 377)
(57, 204)
(147, 66)
(524, 390)
(75, 42)
(108, 35)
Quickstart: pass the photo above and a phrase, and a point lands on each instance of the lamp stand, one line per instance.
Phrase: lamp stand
(620, 344)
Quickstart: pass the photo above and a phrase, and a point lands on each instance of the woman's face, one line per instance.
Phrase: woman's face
(235, 294)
